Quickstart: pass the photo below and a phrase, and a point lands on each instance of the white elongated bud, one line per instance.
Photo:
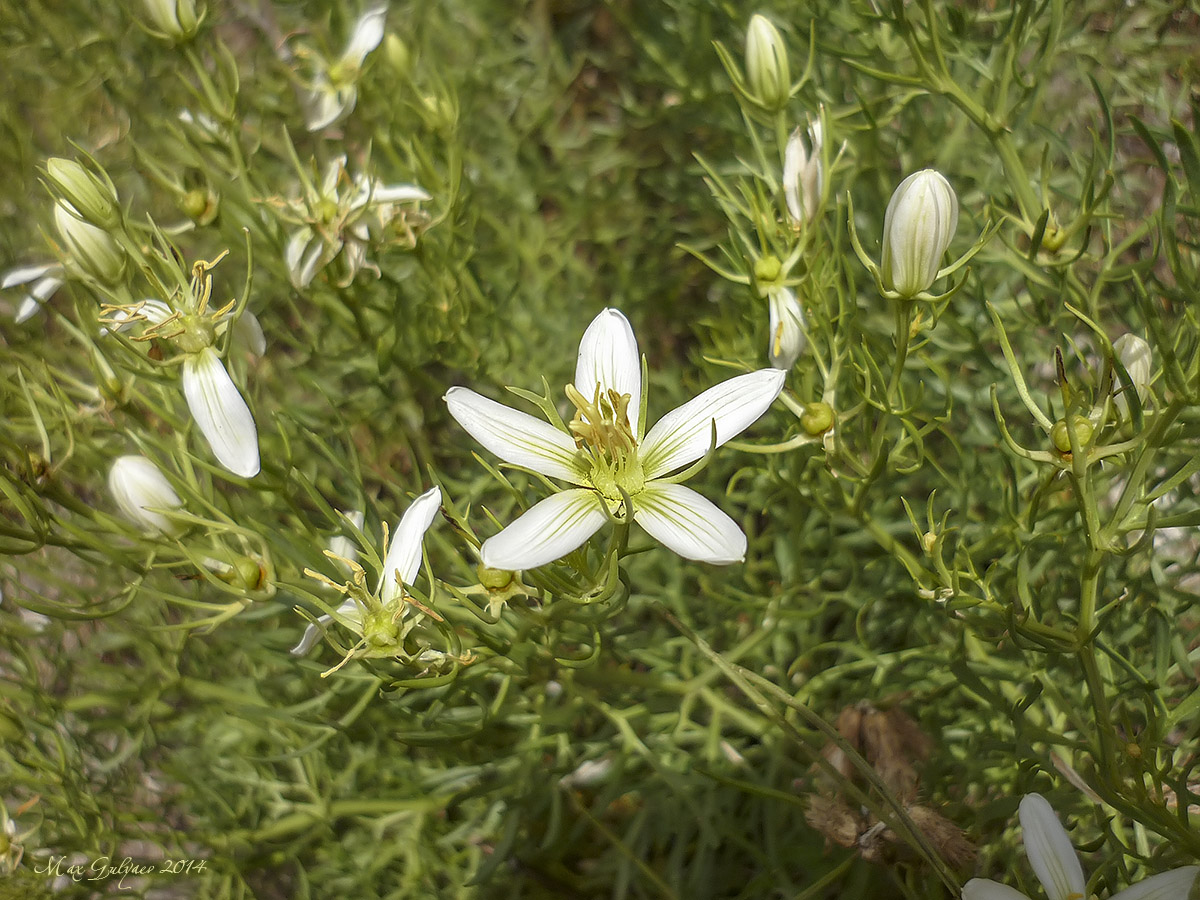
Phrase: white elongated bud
(143, 494)
(802, 175)
(786, 340)
(1134, 354)
(917, 227)
(220, 412)
(767, 72)
(91, 248)
(90, 196)
(175, 20)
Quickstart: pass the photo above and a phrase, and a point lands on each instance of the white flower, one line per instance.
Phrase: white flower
(174, 20)
(44, 281)
(335, 89)
(1134, 354)
(920, 221)
(1057, 867)
(786, 340)
(400, 568)
(143, 494)
(610, 461)
(802, 175)
(92, 249)
(220, 412)
(338, 215)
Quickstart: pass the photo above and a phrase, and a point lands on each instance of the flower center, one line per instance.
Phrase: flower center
(380, 629)
(602, 430)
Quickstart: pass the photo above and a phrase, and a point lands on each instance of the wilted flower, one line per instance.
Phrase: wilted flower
(335, 85)
(43, 280)
(174, 20)
(786, 340)
(220, 412)
(920, 221)
(1057, 867)
(92, 198)
(92, 249)
(144, 495)
(802, 175)
(767, 72)
(337, 218)
(376, 617)
(604, 453)
(1134, 354)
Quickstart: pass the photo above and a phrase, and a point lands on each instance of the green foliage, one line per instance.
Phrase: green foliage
(971, 570)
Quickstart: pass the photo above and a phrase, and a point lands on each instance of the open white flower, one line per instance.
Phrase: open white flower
(337, 217)
(220, 412)
(335, 85)
(400, 568)
(43, 281)
(1057, 867)
(606, 456)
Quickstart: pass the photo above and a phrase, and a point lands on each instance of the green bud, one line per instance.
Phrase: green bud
(92, 249)
(767, 71)
(92, 198)
(199, 205)
(239, 571)
(1061, 437)
(817, 418)
(397, 54)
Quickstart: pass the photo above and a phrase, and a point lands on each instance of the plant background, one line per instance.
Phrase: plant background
(560, 141)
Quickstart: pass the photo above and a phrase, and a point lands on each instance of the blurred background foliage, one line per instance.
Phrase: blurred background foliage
(608, 749)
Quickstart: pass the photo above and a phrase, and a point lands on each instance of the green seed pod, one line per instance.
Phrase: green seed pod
(817, 418)
(1061, 437)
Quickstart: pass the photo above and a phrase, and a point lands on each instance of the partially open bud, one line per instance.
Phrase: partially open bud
(143, 494)
(767, 72)
(802, 175)
(1134, 354)
(786, 340)
(917, 227)
(92, 249)
(90, 196)
(174, 20)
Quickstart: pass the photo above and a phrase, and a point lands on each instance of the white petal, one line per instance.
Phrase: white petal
(399, 193)
(608, 357)
(795, 158)
(1178, 884)
(221, 413)
(1049, 849)
(683, 435)
(142, 492)
(301, 255)
(325, 107)
(25, 274)
(404, 554)
(986, 889)
(248, 330)
(514, 436)
(349, 610)
(785, 340)
(343, 546)
(548, 531)
(30, 307)
(689, 524)
(368, 32)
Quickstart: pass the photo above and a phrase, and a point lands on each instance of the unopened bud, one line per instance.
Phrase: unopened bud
(92, 249)
(767, 72)
(802, 175)
(1134, 354)
(143, 494)
(917, 227)
(175, 20)
(397, 54)
(817, 418)
(92, 197)
(1061, 436)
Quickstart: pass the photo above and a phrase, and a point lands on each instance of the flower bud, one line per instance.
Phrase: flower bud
(917, 228)
(93, 198)
(175, 20)
(92, 249)
(786, 340)
(767, 72)
(1134, 354)
(802, 175)
(142, 492)
(1061, 436)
